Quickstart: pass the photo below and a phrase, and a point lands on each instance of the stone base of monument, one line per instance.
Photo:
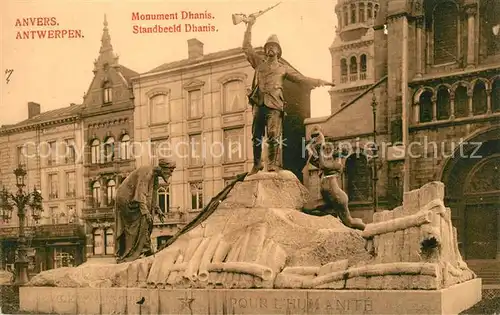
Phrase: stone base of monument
(258, 253)
(451, 300)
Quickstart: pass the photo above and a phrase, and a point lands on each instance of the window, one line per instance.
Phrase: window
(111, 192)
(110, 242)
(343, 70)
(353, 68)
(196, 195)
(362, 12)
(353, 13)
(54, 214)
(96, 194)
(479, 99)
(346, 16)
(234, 96)
(495, 96)
(70, 151)
(63, 259)
(195, 150)
(52, 156)
(425, 102)
(195, 106)
(109, 149)
(461, 102)
(159, 109)
(71, 209)
(445, 32)
(164, 198)
(70, 185)
(53, 186)
(95, 151)
(161, 240)
(491, 24)
(21, 155)
(359, 182)
(107, 93)
(363, 67)
(98, 242)
(233, 145)
(370, 10)
(125, 147)
(443, 103)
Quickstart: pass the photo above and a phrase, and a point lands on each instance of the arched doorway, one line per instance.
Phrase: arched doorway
(471, 177)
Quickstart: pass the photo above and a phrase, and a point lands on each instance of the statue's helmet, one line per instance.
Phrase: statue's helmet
(273, 39)
(166, 163)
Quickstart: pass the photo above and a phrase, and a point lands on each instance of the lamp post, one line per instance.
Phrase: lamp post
(21, 200)
(375, 153)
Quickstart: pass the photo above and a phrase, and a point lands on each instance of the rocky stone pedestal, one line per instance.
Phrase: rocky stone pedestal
(257, 253)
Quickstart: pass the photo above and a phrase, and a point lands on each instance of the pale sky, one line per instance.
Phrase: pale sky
(56, 72)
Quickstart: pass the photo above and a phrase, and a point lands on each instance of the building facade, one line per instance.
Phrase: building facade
(437, 69)
(46, 146)
(196, 112)
(108, 133)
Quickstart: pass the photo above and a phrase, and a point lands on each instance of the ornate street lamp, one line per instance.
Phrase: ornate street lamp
(21, 200)
(374, 161)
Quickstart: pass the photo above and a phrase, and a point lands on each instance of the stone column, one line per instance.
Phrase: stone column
(470, 94)
(366, 11)
(357, 12)
(452, 105)
(498, 235)
(416, 113)
(471, 35)
(419, 23)
(488, 93)
(434, 108)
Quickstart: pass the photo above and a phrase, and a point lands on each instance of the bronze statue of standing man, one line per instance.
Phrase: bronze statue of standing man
(135, 207)
(267, 98)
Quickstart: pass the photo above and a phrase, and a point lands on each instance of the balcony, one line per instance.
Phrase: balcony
(45, 231)
(71, 194)
(174, 216)
(98, 213)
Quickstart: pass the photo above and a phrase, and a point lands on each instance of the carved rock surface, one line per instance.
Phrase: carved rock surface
(254, 233)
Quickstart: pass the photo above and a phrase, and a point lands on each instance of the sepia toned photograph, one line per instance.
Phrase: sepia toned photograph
(250, 157)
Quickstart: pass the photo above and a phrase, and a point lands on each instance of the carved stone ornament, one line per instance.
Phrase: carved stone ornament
(416, 7)
(486, 177)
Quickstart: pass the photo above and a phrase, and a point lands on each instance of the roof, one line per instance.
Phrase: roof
(210, 57)
(128, 73)
(192, 61)
(56, 114)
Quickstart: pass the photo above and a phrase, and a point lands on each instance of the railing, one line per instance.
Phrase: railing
(45, 231)
(343, 79)
(98, 213)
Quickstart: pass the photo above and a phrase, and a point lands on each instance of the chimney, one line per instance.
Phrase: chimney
(195, 48)
(33, 109)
